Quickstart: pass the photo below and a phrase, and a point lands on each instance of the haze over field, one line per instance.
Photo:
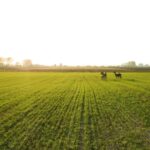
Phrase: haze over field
(75, 32)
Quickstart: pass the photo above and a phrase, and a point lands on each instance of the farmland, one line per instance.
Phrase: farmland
(74, 111)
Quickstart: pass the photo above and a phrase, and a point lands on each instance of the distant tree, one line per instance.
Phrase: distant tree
(1, 61)
(9, 60)
(27, 62)
(146, 65)
(130, 64)
(140, 65)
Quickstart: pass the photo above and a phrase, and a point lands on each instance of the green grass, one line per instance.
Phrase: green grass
(74, 111)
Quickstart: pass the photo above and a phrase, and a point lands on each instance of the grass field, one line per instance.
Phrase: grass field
(74, 111)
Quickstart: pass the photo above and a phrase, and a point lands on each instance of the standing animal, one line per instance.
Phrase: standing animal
(103, 75)
(118, 75)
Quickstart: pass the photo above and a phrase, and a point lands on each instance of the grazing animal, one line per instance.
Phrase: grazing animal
(103, 75)
(118, 75)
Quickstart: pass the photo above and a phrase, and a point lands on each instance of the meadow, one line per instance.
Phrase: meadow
(50, 111)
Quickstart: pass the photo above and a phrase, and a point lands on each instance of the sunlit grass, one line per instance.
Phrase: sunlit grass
(74, 111)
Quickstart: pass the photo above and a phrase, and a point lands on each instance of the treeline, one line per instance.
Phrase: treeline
(9, 61)
(8, 64)
(132, 64)
(73, 69)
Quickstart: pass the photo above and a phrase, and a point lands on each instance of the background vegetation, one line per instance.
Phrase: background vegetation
(8, 64)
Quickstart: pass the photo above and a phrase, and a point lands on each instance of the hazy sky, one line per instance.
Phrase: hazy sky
(76, 32)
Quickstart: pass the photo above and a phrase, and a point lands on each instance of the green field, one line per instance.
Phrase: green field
(53, 111)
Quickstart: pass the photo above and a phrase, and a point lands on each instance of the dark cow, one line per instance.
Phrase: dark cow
(118, 75)
(103, 75)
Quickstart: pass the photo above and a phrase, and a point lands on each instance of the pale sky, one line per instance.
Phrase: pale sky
(76, 32)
